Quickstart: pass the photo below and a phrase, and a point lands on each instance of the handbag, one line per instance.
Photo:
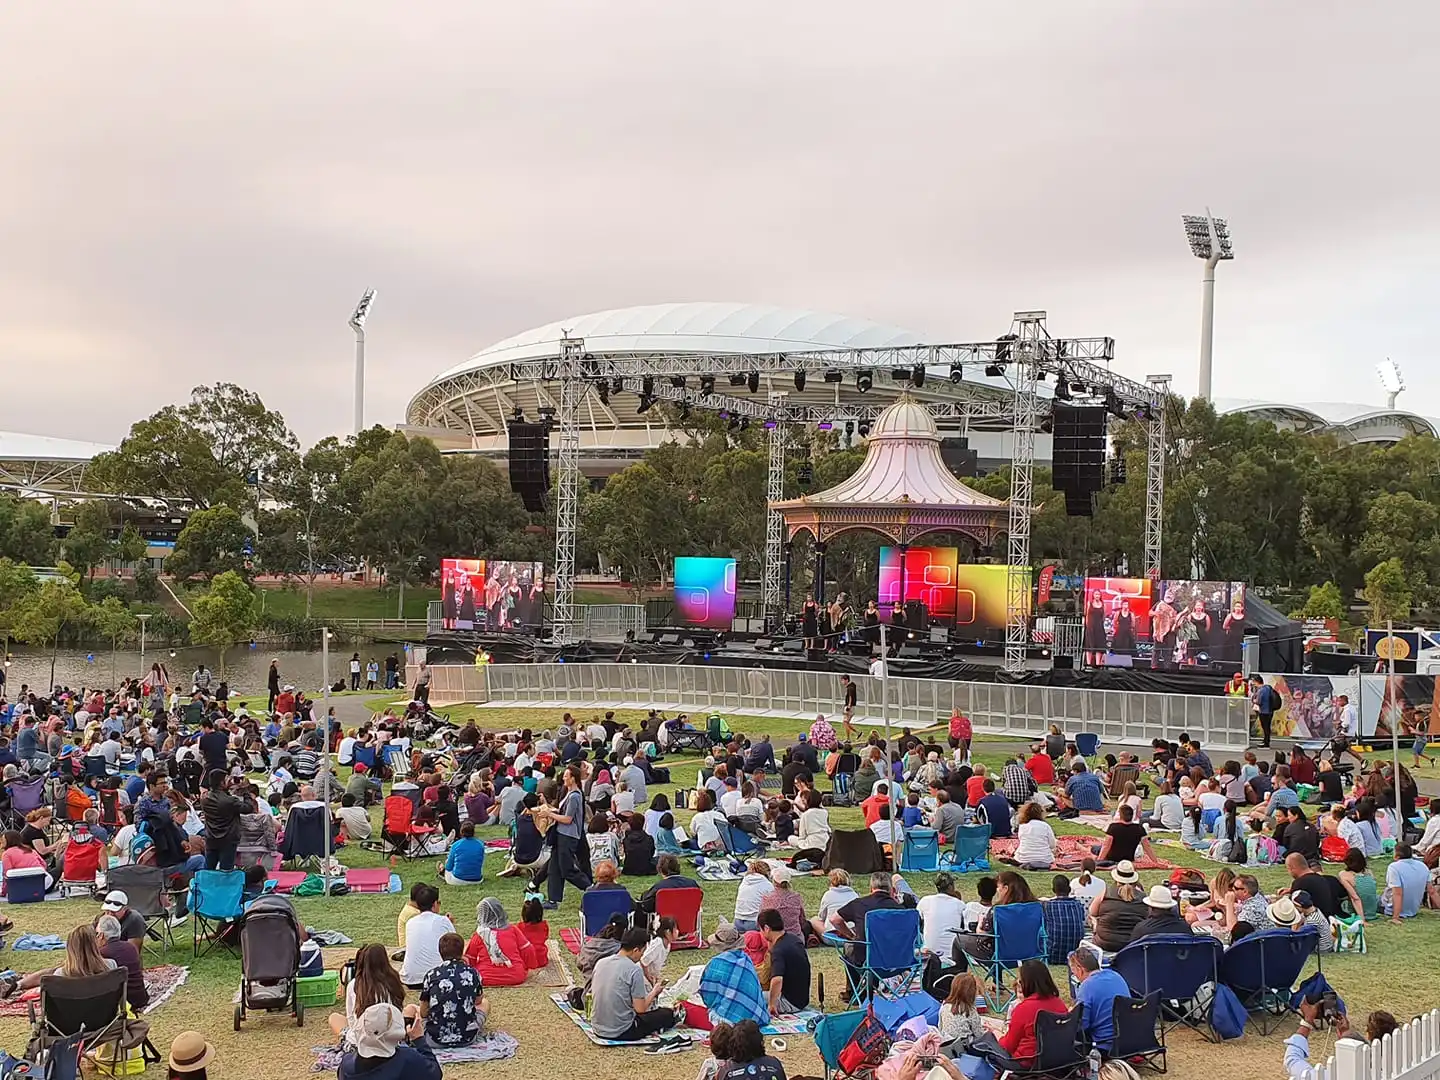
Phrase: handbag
(867, 1046)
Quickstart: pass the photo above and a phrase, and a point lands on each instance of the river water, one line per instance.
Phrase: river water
(245, 668)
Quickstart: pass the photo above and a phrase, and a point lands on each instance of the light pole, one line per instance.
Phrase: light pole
(1209, 240)
(1391, 380)
(325, 746)
(357, 323)
(143, 619)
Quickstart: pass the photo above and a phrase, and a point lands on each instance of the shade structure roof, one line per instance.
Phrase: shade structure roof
(903, 489)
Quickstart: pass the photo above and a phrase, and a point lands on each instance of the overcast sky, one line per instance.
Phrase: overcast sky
(200, 192)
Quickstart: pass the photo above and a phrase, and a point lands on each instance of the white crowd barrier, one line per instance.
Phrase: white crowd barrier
(1411, 1052)
(1118, 717)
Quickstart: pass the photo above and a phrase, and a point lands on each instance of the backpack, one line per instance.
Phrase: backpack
(1333, 849)
(867, 1046)
(1227, 1016)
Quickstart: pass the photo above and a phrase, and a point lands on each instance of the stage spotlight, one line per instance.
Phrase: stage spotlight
(849, 430)
(677, 381)
(707, 384)
(738, 379)
(864, 428)
(517, 415)
(744, 422)
(752, 382)
(1062, 390)
(734, 423)
(646, 404)
(799, 381)
(604, 389)
(647, 386)
(900, 374)
(957, 373)
(863, 380)
(917, 375)
(911, 635)
(617, 385)
(995, 370)
(1077, 388)
(834, 376)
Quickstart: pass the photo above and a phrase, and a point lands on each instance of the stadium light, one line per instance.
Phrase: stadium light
(1209, 240)
(1391, 380)
(357, 323)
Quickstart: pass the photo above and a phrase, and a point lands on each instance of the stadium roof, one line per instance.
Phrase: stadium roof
(15, 446)
(1358, 422)
(43, 465)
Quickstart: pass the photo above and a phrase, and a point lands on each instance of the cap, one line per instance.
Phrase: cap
(115, 900)
(1160, 898)
(382, 1030)
(1124, 873)
(1302, 899)
(804, 737)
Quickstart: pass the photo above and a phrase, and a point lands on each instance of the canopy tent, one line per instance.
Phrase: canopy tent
(1282, 639)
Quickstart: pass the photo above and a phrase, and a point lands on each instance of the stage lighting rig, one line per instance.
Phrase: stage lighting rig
(995, 371)
(1062, 389)
(677, 381)
(737, 379)
(617, 385)
(604, 390)
(646, 404)
(917, 376)
(957, 373)
(517, 415)
(799, 382)
(752, 381)
(707, 384)
(863, 380)
(834, 376)
(647, 386)
(1003, 346)
(864, 429)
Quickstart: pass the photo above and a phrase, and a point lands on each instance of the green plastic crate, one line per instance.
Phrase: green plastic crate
(318, 990)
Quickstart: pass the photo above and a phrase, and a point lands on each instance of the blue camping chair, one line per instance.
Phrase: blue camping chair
(971, 852)
(920, 851)
(738, 842)
(833, 1034)
(216, 898)
(1019, 935)
(1087, 744)
(892, 955)
(1175, 966)
(598, 905)
(1262, 968)
(365, 755)
(304, 835)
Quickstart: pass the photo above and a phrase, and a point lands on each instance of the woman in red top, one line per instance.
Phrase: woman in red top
(1041, 766)
(975, 787)
(960, 734)
(1037, 995)
(498, 951)
(536, 929)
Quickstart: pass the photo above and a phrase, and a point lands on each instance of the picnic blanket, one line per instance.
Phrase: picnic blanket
(496, 1046)
(1098, 822)
(799, 1024)
(371, 880)
(571, 939)
(162, 982)
(498, 843)
(554, 973)
(1072, 851)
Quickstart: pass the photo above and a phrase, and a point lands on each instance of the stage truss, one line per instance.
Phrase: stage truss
(1028, 356)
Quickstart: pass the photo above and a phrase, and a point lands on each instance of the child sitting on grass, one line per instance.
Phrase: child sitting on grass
(534, 926)
(960, 1024)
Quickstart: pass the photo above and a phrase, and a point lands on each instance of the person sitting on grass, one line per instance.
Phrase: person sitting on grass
(534, 927)
(657, 952)
(622, 1001)
(375, 980)
(786, 901)
(388, 1050)
(670, 878)
(670, 838)
(789, 987)
(465, 861)
(638, 849)
(452, 999)
(500, 952)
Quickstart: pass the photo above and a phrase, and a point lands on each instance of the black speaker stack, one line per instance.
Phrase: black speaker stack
(530, 463)
(955, 452)
(1078, 455)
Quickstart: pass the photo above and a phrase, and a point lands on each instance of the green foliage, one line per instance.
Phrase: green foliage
(1324, 602)
(131, 546)
(88, 543)
(17, 584)
(1387, 591)
(212, 543)
(147, 583)
(26, 534)
(224, 615)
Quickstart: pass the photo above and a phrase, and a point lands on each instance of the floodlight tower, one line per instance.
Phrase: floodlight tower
(1391, 380)
(357, 323)
(1209, 240)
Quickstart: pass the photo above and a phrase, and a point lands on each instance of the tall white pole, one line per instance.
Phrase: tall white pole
(1394, 729)
(885, 719)
(143, 619)
(1207, 326)
(360, 374)
(325, 749)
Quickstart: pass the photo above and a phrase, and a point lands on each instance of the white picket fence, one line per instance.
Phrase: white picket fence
(1412, 1052)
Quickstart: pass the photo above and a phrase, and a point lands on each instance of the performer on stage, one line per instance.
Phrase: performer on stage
(810, 625)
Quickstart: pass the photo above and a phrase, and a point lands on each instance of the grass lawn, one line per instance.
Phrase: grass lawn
(271, 1046)
(348, 601)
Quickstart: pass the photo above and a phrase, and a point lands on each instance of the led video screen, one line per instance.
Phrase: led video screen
(1117, 622)
(491, 595)
(1197, 624)
(462, 594)
(969, 596)
(705, 591)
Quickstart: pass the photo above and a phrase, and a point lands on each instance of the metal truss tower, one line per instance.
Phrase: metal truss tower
(567, 493)
(773, 578)
(1155, 476)
(1026, 355)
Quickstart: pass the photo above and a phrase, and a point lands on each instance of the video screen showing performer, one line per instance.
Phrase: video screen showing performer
(514, 595)
(462, 586)
(1197, 624)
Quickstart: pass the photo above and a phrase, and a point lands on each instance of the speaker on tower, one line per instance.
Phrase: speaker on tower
(1078, 453)
(530, 463)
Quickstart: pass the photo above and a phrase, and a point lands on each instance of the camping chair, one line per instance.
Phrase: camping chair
(365, 755)
(1087, 744)
(25, 796)
(971, 850)
(832, 1035)
(855, 850)
(399, 830)
(597, 906)
(1262, 968)
(304, 838)
(1139, 1031)
(1019, 935)
(1062, 1050)
(738, 842)
(397, 761)
(717, 729)
(96, 767)
(920, 851)
(216, 899)
(890, 938)
(687, 908)
(1174, 967)
(63, 1061)
(144, 886)
(111, 816)
(93, 1005)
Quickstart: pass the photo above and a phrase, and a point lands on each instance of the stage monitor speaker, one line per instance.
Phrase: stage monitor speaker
(1080, 503)
(1063, 662)
(939, 635)
(917, 616)
(529, 454)
(909, 651)
(1078, 447)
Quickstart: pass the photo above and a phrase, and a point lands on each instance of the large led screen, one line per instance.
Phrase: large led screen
(969, 596)
(514, 594)
(705, 591)
(1117, 621)
(1197, 624)
(462, 594)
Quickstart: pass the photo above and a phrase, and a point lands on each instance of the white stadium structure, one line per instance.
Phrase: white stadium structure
(465, 408)
(40, 466)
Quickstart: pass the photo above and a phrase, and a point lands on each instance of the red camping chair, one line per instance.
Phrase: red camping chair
(405, 838)
(82, 862)
(687, 908)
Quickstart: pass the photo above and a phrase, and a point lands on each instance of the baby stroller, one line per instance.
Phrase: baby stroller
(269, 959)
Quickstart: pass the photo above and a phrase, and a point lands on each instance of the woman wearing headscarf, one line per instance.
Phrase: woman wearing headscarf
(498, 951)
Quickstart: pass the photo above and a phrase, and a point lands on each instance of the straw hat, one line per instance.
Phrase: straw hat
(1124, 873)
(1160, 898)
(190, 1053)
(1282, 912)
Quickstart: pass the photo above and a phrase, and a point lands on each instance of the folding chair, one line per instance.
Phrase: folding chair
(920, 851)
(144, 887)
(216, 898)
(304, 838)
(1019, 935)
(598, 905)
(365, 755)
(25, 796)
(1262, 968)
(397, 761)
(1087, 744)
(1173, 967)
(890, 938)
(1062, 1050)
(971, 850)
(399, 830)
(63, 1062)
(111, 816)
(96, 767)
(832, 1035)
(92, 1006)
(687, 908)
(1139, 1031)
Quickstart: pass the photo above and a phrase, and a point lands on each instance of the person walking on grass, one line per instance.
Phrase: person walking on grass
(568, 820)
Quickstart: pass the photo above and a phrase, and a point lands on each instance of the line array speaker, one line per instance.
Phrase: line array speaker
(530, 463)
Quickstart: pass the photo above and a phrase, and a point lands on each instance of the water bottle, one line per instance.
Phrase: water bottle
(1094, 1064)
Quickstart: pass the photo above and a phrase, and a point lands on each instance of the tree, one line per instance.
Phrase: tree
(224, 615)
(17, 583)
(315, 526)
(639, 524)
(212, 542)
(113, 621)
(131, 546)
(44, 614)
(1387, 591)
(212, 451)
(26, 534)
(1324, 602)
(88, 544)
